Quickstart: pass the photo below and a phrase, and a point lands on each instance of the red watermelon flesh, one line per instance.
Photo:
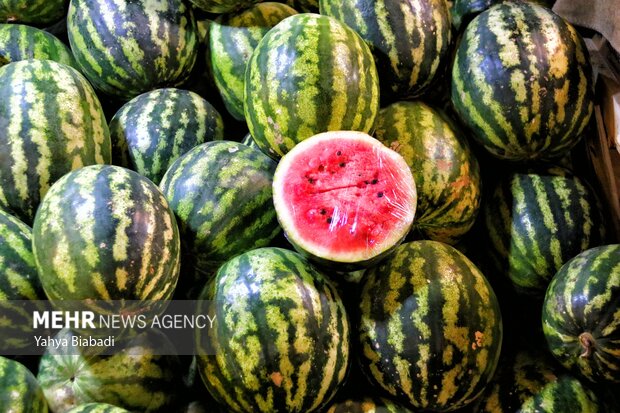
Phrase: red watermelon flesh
(344, 197)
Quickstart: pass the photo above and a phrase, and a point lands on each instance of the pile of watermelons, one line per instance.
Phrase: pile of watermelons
(384, 196)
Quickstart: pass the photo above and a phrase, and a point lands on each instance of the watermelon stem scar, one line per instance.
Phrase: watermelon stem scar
(343, 198)
(588, 343)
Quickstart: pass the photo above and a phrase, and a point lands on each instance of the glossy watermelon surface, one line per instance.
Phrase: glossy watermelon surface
(126, 47)
(282, 344)
(581, 314)
(522, 82)
(331, 83)
(430, 327)
(54, 123)
(106, 233)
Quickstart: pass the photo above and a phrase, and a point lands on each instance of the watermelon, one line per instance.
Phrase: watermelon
(445, 170)
(53, 123)
(152, 130)
(128, 47)
(522, 82)
(200, 80)
(309, 74)
(18, 274)
(530, 383)
(19, 390)
(19, 280)
(32, 12)
(21, 42)
(232, 39)
(106, 233)
(248, 140)
(581, 314)
(367, 405)
(223, 6)
(221, 194)
(97, 408)
(135, 378)
(463, 11)
(536, 220)
(409, 39)
(282, 337)
(430, 327)
(344, 199)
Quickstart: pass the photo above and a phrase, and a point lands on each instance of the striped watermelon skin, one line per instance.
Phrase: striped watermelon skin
(331, 83)
(128, 47)
(37, 12)
(152, 130)
(106, 233)
(536, 221)
(135, 379)
(430, 329)
(222, 197)
(581, 314)
(282, 337)
(446, 172)
(367, 405)
(54, 124)
(18, 274)
(463, 11)
(19, 280)
(223, 6)
(97, 408)
(19, 390)
(409, 39)
(21, 42)
(232, 39)
(248, 140)
(531, 383)
(522, 82)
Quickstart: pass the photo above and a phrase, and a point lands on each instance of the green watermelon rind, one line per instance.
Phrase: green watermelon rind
(20, 392)
(581, 314)
(22, 42)
(282, 334)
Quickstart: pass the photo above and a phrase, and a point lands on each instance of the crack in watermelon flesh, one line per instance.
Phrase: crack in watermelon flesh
(343, 197)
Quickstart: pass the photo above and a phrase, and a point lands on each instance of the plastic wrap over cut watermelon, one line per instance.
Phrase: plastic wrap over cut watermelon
(343, 197)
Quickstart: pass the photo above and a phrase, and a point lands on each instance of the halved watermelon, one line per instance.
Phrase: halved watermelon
(344, 199)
